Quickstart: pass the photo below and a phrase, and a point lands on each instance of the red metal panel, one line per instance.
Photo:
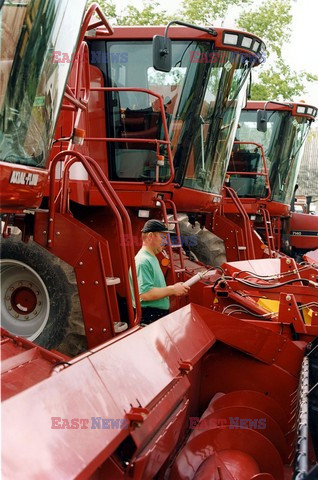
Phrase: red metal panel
(268, 266)
(75, 393)
(189, 332)
(263, 344)
(23, 364)
(26, 191)
(140, 369)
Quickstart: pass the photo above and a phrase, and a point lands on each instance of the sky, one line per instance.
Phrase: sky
(301, 53)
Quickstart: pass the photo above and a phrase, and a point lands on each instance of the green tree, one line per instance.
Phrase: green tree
(148, 14)
(208, 11)
(270, 21)
(280, 82)
(108, 7)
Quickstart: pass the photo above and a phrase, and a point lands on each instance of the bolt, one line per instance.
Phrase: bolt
(44, 232)
(288, 298)
(90, 248)
(81, 263)
(289, 309)
(37, 292)
(104, 330)
(16, 315)
(91, 329)
(39, 303)
(288, 261)
(58, 233)
(27, 317)
(49, 241)
(83, 282)
(50, 219)
(35, 312)
(96, 282)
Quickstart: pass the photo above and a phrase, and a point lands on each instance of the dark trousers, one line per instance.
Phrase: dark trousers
(151, 314)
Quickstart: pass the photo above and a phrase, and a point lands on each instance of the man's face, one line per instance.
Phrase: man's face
(158, 241)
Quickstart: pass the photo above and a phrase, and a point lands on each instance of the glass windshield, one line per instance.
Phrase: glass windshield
(37, 40)
(284, 169)
(214, 128)
(283, 144)
(202, 95)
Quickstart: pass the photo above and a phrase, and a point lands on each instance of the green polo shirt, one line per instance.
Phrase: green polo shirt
(149, 275)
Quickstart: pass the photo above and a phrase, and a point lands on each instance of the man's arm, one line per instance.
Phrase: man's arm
(157, 293)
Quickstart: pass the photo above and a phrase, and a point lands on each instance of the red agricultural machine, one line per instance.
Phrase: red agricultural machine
(263, 172)
(100, 130)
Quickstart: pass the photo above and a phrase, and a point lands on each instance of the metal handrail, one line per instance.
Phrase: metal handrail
(111, 198)
(247, 226)
(94, 8)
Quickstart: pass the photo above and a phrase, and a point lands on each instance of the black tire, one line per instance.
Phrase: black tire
(36, 294)
(206, 246)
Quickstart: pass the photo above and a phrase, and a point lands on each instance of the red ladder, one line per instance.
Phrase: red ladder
(171, 245)
(269, 235)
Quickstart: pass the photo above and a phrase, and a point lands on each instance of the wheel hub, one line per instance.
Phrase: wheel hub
(23, 300)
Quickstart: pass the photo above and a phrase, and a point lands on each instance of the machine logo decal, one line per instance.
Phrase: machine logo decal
(24, 178)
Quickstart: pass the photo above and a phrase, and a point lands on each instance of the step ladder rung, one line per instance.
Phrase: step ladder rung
(179, 270)
(176, 246)
(242, 248)
(112, 280)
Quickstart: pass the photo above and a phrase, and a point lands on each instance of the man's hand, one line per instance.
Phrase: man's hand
(180, 289)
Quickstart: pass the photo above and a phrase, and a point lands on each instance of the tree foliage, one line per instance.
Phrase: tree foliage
(280, 82)
(149, 14)
(271, 22)
(208, 11)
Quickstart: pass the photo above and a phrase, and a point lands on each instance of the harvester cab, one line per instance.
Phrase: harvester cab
(264, 166)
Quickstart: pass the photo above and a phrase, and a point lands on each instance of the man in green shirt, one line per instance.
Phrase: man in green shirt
(153, 291)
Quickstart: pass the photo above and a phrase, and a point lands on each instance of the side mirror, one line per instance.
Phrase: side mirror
(262, 120)
(161, 53)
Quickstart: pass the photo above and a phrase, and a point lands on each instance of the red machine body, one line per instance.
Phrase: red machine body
(189, 396)
(126, 147)
(303, 231)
